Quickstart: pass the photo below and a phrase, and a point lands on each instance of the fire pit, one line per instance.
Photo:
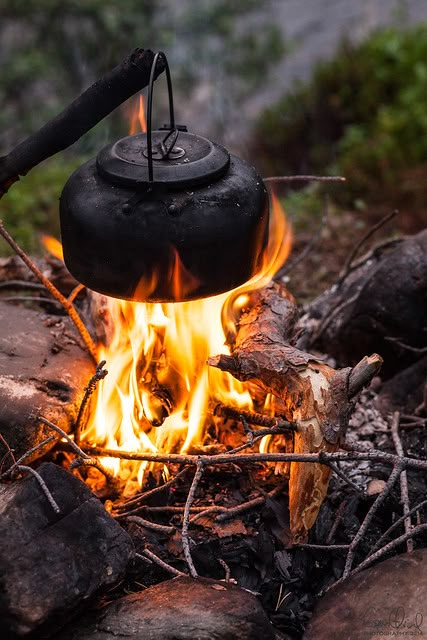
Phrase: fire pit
(212, 439)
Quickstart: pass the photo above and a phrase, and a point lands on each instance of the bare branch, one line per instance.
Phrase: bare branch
(66, 304)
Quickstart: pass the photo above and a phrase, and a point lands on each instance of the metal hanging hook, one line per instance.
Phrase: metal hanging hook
(150, 110)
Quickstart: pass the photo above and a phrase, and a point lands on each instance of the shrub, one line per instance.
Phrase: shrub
(362, 114)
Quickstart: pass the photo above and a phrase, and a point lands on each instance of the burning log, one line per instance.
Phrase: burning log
(309, 392)
(179, 609)
(43, 370)
(54, 553)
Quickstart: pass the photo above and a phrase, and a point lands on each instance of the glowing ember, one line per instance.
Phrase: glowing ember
(160, 393)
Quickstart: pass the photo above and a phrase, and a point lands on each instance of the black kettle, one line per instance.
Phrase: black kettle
(166, 216)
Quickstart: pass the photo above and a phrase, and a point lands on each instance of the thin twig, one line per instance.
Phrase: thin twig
(69, 308)
(21, 284)
(75, 292)
(338, 517)
(404, 493)
(347, 266)
(314, 240)
(94, 462)
(227, 458)
(323, 547)
(389, 547)
(43, 486)
(327, 319)
(233, 512)
(62, 433)
(141, 498)
(370, 515)
(164, 565)
(160, 528)
(396, 524)
(9, 451)
(226, 568)
(304, 179)
(252, 417)
(335, 468)
(207, 512)
(29, 299)
(406, 347)
(186, 518)
(99, 374)
(27, 455)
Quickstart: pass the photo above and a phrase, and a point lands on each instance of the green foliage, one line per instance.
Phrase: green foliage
(31, 206)
(362, 114)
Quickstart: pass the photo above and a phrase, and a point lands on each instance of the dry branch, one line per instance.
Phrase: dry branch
(79, 117)
(310, 393)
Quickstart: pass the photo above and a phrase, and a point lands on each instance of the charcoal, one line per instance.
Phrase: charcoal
(178, 609)
(50, 562)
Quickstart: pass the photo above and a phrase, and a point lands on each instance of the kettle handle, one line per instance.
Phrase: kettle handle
(150, 109)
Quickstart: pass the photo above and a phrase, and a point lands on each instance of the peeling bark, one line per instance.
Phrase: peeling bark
(311, 393)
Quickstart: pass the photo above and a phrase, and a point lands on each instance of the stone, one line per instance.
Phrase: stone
(178, 609)
(387, 600)
(50, 562)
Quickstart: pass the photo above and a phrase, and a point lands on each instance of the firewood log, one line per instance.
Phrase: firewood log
(312, 394)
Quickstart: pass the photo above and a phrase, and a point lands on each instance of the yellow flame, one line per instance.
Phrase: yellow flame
(53, 246)
(158, 374)
(137, 118)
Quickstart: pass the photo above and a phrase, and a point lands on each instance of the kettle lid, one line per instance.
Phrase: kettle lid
(179, 159)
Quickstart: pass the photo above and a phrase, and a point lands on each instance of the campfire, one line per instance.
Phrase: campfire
(208, 426)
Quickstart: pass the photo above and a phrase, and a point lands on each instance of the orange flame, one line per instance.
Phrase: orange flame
(158, 374)
(137, 118)
(53, 246)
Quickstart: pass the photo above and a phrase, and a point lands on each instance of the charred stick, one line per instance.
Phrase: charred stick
(254, 418)
(94, 462)
(43, 486)
(69, 308)
(335, 468)
(99, 375)
(26, 455)
(226, 568)
(206, 512)
(139, 500)
(164, 565)
(74, 447)
(227, 458)
(338, 517)
(323, 547)
(79, 117)
(160, 528)
(404, 493)
(397, 469)
(396, 524)
(348, 265)
(9, 452)
(389, 547)
(228, 514)
(186, 518)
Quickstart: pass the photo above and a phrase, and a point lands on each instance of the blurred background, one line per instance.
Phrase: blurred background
(319, 86)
